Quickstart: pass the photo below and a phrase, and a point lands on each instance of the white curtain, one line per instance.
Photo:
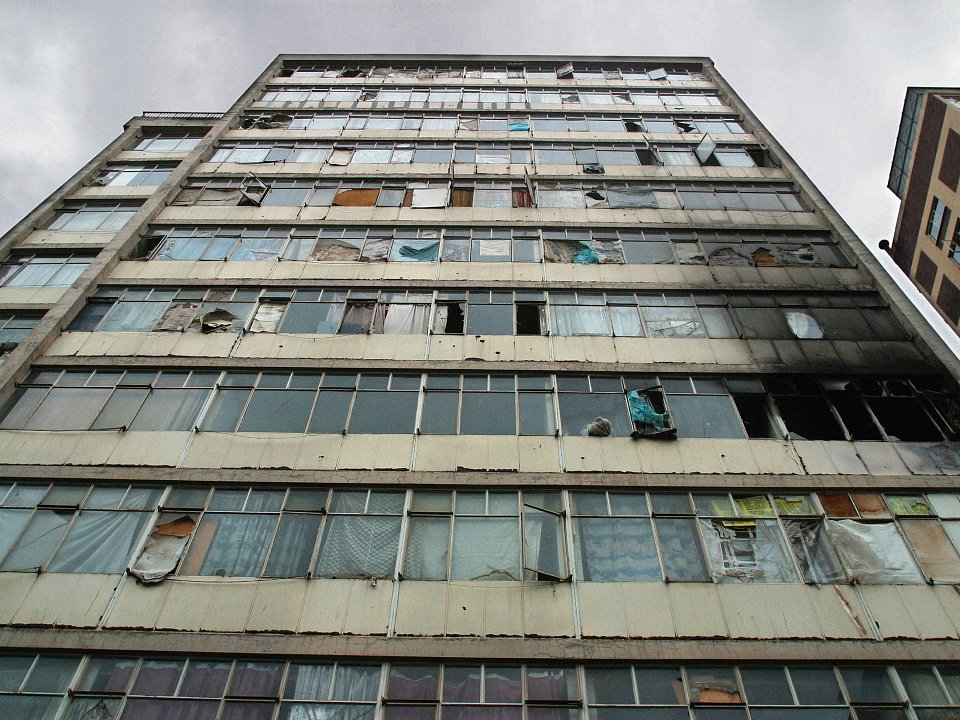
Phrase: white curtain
(404, 319)
(100, 542)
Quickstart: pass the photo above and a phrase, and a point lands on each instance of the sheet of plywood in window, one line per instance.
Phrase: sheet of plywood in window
(138, 606)
(547, 609)
(926, 612)
(66, 599)
(532, 347)
(736, 457)
(838, 610)
(744, 612)
(569, 348)
(602, 609)
(149, 448)
(776, 457)
(277, 605)
(14, 588)
(892, 615)
(881, 458)
(66, 344)
(280, 450)
(917, 458)
(582, 454)
(421, 608)
(647, 610)
(538, 454)
(695, 608)
(633, 350)
(375, 452)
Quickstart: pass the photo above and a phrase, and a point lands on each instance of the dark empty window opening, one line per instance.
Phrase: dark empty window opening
(529, 319)
(855, 416)
(756, 416)
(903, 418)
(449, 318)
(808, 418)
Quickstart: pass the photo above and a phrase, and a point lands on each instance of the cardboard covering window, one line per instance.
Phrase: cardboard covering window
(333, 251)
(429, 197)
(356, 198)
(178, 317)
(163, 550)
(932, 547)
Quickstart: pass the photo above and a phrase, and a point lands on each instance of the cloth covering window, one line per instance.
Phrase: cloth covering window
(405, 319)
(359, 546)
(230, 545)
(486, 549)
(568, 320)
(616, 550)
(99, 542)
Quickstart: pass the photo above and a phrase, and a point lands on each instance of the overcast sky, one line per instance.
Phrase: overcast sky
(827, 78)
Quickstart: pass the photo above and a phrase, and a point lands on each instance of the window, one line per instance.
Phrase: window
(938, 221)
(168, 142)
(14, 327)
(42, 270)
(131, 175)
(92, 216)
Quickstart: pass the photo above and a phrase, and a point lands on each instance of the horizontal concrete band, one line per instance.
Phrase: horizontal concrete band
(521, 650)
(415, 366)
(477, 478)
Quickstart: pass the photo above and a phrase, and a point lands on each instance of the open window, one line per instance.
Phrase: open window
(530, 317)
(544, 557)
(565, 72)
(649, 414)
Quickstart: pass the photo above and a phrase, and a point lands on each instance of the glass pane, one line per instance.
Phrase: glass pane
(293, 546)
(256, 679)
(227, 545)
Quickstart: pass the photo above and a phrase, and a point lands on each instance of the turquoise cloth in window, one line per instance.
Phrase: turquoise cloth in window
(642, 412)
(586, 256)
(519, 125)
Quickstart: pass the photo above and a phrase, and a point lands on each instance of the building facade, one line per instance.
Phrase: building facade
(924, 174)
(456, 387)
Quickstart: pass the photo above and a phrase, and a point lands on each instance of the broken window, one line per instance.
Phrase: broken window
(586, 399)
(746, 551)
(814, 552)
(873, 552)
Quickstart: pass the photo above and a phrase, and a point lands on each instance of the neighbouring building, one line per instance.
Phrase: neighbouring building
(924, 175)
(457, 387)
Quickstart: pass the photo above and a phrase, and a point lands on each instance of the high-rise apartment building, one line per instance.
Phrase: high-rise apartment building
(924, 175)
(448, 388)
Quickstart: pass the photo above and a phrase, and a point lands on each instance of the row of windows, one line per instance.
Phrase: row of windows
(80, 216)
(438, 194)
(578, 245)
(269, 151)
(168, 141)
(482, 312)
(480, 404)
(39, 687)
(484, 535)
(133, 174)
(496, 123)
(518, 97)
(575, 71)
(14, 327)
(22, 270)
(938, 224)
